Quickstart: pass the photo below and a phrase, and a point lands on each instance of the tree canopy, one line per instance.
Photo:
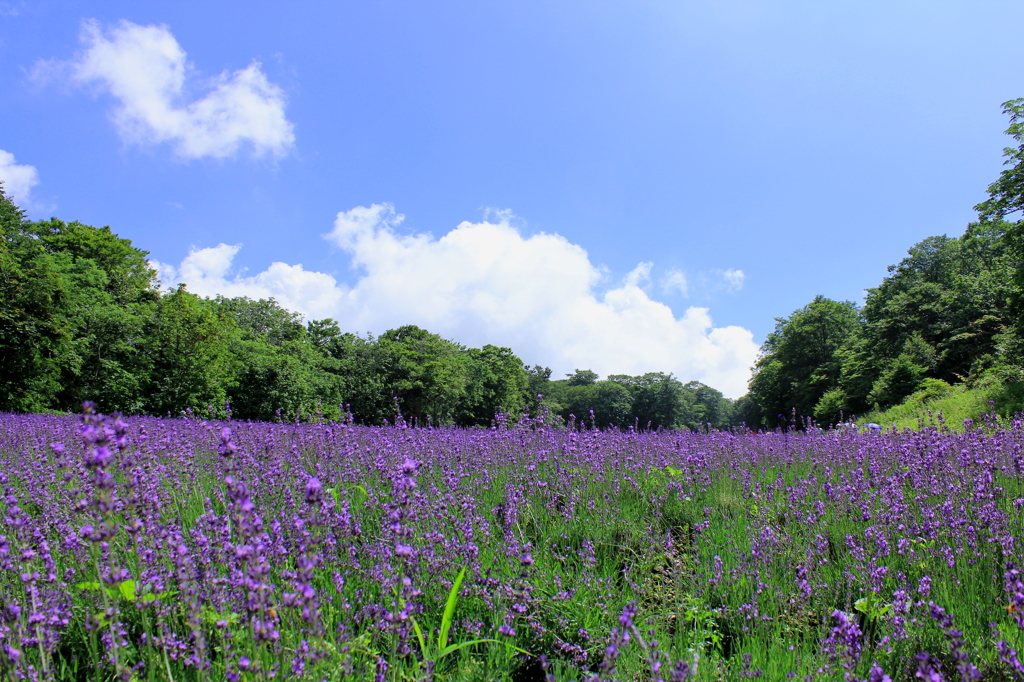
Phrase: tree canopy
(950, 312)
(82, 318)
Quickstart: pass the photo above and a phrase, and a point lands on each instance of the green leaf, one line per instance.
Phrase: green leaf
(88, 586)
(127, 590)
(449, 610)
(211, 616)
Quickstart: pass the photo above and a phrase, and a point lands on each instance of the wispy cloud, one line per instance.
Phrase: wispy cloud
(640, 276)
(145, 70)
(674, 281)
(733, 280)
(705, 283)
(487, 283)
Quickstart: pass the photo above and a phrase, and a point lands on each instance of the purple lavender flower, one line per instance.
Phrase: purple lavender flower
(844, 641)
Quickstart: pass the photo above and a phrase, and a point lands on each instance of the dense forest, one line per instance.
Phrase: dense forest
(949, 313)
(82, 317)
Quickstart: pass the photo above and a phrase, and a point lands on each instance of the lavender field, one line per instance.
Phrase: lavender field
(159, 549)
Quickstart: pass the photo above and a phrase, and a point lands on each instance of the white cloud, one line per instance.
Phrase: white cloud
(640, 276)
(486, 283)
(675, 281)
(733, 280)
(18, 179)
(206, 272)
(145, 70)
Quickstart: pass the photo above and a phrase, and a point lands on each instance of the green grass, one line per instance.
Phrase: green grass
(955, 404)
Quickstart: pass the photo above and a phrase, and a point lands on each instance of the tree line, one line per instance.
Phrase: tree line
(951, 312)
(82, 317)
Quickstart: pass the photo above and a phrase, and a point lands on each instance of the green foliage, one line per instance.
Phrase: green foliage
(278, 364)
(661, 400)
(801, 360)
(538, 380)
(658, 399)
(955, 406)
(939, 313)
(74, 304)
(427, 374)
(82, 318)
(747, 412)
(708, 409)
(900, 378)
(930, 389)
(188, 350)
(601, 404)
(34, 340)
(951, 311)
(1006, 195)
(582, 377)
(496, 383)
(829, 409)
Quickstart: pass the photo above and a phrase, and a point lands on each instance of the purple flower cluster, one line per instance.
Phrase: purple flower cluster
(196, 549)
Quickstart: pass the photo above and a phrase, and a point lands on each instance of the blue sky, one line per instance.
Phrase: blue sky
(629, 187)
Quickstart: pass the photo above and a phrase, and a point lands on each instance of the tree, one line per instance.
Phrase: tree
(34, 340)
(939, 313)
(264, 319)
(112, 298)
(496, 382)
(188, 348)
(581, 377)
(658, 399)
(74, 304)
(279, 364)
(800, 361)
(708, 407)
(426, 373)
(538, 382)
(362, 363)
(610, 403)
(747, 412)
(1006, 195)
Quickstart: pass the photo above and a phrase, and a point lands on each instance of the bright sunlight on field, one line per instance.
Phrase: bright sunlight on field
(158, 549)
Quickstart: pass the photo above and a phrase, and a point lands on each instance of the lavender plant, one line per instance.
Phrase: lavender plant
(167, 549)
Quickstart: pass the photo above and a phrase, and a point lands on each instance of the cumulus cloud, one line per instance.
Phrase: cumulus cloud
(18, 179)
(487, 283)
(145, 70)
(207, 272)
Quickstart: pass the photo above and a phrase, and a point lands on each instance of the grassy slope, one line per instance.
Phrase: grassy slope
(955, 405)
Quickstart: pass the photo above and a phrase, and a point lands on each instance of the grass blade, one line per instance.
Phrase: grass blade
(419, 636)
(461, 645)
(449, 611)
